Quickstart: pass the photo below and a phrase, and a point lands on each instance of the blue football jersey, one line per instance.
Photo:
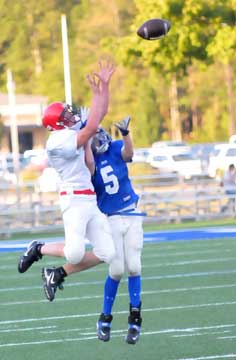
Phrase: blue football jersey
(111, 181)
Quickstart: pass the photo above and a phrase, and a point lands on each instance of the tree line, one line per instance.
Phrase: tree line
(179, 87)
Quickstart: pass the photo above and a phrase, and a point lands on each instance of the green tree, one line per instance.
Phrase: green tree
(171, 87)
(194, 25)
(223, 49)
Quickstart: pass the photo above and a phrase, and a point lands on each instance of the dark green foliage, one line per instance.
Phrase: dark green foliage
(202, 33)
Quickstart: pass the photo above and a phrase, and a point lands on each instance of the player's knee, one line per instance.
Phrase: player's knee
(105, 251)
(106, 256)
(74, 253)
(134, 267)
(116, 269)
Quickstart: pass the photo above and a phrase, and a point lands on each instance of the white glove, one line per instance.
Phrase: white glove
(123, 125)
(84, 114)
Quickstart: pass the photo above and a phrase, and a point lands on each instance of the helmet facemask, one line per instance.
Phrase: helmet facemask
(101, 141)
(69, 116)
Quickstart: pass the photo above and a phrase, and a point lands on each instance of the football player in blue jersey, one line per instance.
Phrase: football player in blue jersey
(117, 199)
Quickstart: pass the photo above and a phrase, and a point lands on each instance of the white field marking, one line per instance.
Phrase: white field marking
(203, 333)
(152, 255)
(121, 331)
(191, 306)
(195, 274)
(168, 254)
(145, 278)
(69, 330)
(191, 262)
(176, 244)
(165, 331)
(184, 253)
(76, 298)
(26, 329)
(46, 342)
(148, 247)
(43, 342)
(149, 292)
(212, 357)
(75, 316)
(82, 333)
(150, 265)
(227, 337)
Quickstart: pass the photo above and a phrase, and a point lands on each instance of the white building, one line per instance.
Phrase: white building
(28, 111)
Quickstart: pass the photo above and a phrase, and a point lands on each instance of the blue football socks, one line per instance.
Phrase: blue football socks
(134, 287)
(110, 290)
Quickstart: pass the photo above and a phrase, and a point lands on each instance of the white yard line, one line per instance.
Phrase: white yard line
(202, 334)
(118, 333)
(192, 262)
(74, 316)
(211, 357)
(145, 278)
(186, 253)
(150, 265)
(13, 329)
(150, 292)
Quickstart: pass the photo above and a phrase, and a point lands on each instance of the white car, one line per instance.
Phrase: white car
(182, 163)
(171, 146)
(141, 154)
(222, 156)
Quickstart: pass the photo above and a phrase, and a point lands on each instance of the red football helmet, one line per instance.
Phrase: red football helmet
(58, 116)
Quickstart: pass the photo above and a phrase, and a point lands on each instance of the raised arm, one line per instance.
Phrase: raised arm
(99, 83)
(89, 158)
(127, 150)
(105, 73)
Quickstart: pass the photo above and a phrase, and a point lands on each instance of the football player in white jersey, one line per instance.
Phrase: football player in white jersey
(81, 217)
(118, 200)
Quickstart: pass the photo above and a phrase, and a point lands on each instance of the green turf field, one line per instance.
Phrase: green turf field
(189, 308)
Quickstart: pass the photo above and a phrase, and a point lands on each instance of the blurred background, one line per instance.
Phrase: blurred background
(179, 90)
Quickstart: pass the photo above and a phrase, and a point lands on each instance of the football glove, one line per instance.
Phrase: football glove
(123, 125)
(84, 114)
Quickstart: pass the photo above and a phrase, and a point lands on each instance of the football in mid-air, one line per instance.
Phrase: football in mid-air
(154, 29)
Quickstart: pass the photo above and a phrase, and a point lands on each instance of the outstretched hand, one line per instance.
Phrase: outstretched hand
(102, 77)
(94, 83)
(123, 125)
(84, 114)
(106, 70)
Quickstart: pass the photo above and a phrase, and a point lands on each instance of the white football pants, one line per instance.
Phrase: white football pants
(83, 220)
(127, 233)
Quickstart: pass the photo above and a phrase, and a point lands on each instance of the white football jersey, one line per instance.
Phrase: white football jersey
(67, 160)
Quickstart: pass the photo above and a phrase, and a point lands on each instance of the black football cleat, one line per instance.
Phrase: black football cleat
(52, 279)
(31, 255)
(133, 334)
(134, 325)
(104, 327)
